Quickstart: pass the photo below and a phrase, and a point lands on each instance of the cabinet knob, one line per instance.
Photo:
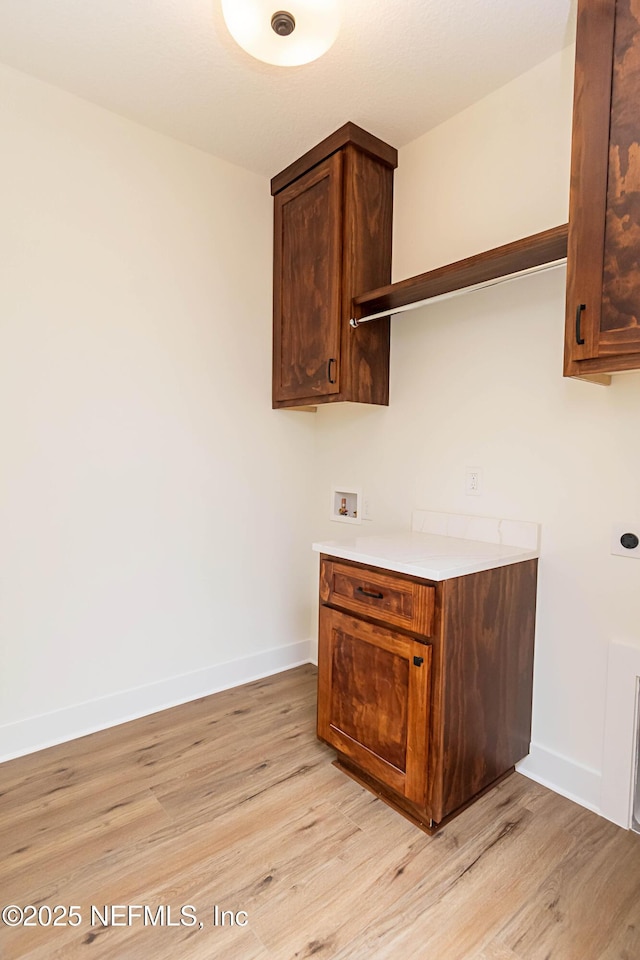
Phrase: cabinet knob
(418, 661)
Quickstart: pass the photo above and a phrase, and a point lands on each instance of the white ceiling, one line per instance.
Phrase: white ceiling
(398, 67)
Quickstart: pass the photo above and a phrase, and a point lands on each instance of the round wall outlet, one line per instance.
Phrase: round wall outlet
(625, 539)
(629, 541)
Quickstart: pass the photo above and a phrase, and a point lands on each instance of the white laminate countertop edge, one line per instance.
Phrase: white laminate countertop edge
(425, 555)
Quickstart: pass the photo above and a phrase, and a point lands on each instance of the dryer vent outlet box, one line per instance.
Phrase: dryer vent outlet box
(346, 504)
(625, 539)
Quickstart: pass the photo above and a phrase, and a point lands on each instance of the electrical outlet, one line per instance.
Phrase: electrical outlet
(625, 539)
(473, 481)
(366, 507)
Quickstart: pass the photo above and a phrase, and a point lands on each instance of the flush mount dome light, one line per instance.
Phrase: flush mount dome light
(284, 32)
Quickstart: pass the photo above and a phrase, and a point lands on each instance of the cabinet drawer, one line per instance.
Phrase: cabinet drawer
(378, 595)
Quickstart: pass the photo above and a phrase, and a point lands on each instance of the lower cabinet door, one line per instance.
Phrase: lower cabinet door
(373, 700)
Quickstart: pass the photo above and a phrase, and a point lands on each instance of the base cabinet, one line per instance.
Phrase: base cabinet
(429, 713)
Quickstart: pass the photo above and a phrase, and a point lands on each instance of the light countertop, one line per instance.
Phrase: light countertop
(431, 556)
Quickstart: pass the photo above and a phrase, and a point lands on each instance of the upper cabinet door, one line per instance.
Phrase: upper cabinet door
(603, 266)
(333, 224)
(307, 284)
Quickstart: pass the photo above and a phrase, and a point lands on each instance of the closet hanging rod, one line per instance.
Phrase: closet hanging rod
(540, 251)
(391, 311)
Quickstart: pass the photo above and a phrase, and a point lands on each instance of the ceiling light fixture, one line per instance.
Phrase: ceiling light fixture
(286, 37)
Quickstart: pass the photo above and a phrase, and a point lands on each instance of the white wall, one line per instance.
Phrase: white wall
(154, 511)
(477, 381)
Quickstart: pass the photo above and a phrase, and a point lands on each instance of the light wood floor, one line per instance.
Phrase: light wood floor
(231, 801)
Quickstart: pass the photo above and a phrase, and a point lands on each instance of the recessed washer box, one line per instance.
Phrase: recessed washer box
(346, 504)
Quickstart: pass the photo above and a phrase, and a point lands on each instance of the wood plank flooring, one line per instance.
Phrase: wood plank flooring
(230, 801)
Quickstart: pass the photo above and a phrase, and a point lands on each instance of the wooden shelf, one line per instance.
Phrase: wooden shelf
(522, 256)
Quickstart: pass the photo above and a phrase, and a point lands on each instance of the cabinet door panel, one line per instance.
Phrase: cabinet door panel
(373, 700)
(603, 262)
(307, 284)
(619, 327)
(370, 696)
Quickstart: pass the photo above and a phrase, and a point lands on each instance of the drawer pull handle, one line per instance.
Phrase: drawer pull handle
(579, 337)
(366, 593)
(330, 365)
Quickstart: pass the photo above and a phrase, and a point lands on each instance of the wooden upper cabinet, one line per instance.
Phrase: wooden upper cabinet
(332, 240)
(603, 264)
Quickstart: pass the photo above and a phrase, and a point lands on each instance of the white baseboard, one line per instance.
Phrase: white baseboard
(59, 726)
(566, 777)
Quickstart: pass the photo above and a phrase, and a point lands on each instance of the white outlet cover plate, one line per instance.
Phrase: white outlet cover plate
(616, 532)
(473, 481)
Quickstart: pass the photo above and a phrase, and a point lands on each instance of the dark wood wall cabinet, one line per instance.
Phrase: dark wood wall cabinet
(603, 265)
(332, 240)
(424, 688)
